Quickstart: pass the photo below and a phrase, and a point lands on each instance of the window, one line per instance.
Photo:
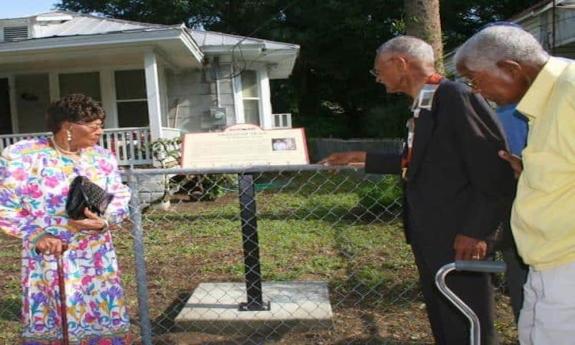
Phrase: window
(15, 33)
(131, 98)
(32, 98)
(251, 97)
(85, 83)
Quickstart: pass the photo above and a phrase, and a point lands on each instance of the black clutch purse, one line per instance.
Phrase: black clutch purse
(84, 193)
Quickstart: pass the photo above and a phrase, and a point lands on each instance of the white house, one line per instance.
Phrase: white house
(154, 81)
(552, 22)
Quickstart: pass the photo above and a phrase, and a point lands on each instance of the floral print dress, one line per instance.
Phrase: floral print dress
(34, 183)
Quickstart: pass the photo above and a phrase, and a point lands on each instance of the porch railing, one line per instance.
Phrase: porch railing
(130, 145)
(9, 139)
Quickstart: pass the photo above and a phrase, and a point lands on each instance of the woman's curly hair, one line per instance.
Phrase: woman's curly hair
(73, 108)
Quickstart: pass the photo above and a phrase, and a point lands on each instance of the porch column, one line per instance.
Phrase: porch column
(265, 98)
(13, 108)
(238, 98)
(153, 94)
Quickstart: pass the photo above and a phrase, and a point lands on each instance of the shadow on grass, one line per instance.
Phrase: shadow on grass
(373, 336)
(166, 332)
(202, 339)
(377, 341)
(352, 294)
(165, 323)
(394, 290)
(10, 309)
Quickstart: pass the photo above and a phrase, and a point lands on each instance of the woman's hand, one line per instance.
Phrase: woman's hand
(49, 245)
(92, 222)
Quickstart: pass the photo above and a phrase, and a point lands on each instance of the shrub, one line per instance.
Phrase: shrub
(385, 193)
(205, 187)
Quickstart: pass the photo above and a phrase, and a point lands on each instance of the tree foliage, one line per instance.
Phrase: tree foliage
(330, 91)
(462, 18)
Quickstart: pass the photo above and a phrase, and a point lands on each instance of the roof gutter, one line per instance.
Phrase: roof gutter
(244, 48)
(533, 13)
(190, 43)
(559, 4)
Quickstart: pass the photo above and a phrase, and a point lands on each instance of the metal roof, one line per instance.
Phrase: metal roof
(65, 23)
(86, 25)
(51, 28)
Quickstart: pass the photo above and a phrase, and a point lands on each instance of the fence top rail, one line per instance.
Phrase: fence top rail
(368, 140)
(238, 170)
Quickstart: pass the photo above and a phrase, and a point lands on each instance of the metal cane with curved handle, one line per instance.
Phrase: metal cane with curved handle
(470, 266)
(62, 290)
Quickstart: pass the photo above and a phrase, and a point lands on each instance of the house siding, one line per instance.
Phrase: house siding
(191, 95)
(541, 27)
(182, 90)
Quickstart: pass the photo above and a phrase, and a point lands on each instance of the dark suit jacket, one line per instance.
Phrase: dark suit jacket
(456, 183)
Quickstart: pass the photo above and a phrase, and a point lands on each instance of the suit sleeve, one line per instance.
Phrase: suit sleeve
(478, 138)
(383, 163)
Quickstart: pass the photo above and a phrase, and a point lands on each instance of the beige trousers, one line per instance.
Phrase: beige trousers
(548, 313)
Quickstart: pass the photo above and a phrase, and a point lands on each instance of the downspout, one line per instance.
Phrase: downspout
(216, 65)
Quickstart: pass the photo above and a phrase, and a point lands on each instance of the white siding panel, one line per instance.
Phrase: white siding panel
(191, 94)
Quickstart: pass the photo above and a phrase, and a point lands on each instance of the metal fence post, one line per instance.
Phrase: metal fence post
(251, 245)
(141, 278)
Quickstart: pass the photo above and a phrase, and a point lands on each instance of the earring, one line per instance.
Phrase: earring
(69, 135)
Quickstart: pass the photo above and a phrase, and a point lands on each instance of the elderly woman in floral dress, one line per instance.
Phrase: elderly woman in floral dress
(35, 176)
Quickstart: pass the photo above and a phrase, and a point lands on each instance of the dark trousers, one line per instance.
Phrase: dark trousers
(515, 277)
(449, 325)
(516, 273)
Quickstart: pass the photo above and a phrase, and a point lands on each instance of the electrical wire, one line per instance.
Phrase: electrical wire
(236, 67)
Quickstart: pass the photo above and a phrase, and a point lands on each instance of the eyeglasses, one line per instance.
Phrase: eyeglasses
(91, 125)
(374, 72)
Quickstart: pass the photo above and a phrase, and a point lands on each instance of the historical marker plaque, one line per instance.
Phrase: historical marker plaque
(244, 145)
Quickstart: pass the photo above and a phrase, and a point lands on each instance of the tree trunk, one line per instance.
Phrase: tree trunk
(422, 20)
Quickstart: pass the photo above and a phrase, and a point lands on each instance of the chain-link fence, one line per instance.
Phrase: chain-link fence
(324, 250)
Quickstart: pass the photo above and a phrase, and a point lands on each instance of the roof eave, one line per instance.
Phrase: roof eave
(282, 67)
(191, 44)
(117, 38)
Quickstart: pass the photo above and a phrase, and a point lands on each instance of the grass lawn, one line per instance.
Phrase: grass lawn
(310, 228)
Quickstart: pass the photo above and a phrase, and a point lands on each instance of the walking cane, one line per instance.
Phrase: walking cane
(470, 266)
(62, 288)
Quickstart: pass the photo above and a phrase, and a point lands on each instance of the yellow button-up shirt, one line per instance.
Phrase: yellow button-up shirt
(543, 217)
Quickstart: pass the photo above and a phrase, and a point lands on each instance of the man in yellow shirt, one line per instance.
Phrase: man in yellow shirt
(506, 64)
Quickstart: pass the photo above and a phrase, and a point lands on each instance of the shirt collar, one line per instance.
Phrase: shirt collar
(533, 102)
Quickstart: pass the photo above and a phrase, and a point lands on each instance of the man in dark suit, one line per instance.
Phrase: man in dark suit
(457, 188)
